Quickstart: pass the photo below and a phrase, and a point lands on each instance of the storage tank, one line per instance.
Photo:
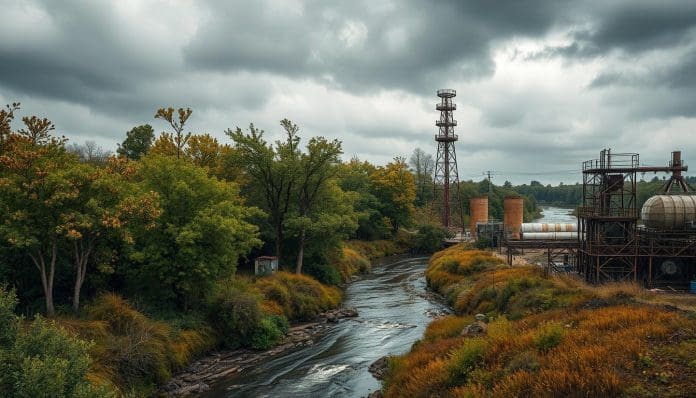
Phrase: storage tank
(544, 227)
(478, 208)
(513, 213)
(669, 212)
(549, 235)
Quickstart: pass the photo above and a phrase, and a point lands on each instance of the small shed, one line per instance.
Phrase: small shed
(265, 265)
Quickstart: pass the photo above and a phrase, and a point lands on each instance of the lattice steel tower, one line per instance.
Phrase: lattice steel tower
(446, 174)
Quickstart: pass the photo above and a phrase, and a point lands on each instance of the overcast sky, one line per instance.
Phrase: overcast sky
(541, 84)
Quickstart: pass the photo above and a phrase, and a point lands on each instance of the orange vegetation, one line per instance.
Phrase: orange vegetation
(299, 297)
(351, 263)
(132, 351)
(555, 337)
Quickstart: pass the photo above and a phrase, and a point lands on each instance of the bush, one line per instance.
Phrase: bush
(326, 274)
(45, 361)
(236, 313)
(269, 332)
(430, 238)
(548, 336)
(465, 359)
(300, 296)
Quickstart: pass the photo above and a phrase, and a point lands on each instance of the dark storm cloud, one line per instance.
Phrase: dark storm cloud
(629, 27)
(361, 71)
(413, 45)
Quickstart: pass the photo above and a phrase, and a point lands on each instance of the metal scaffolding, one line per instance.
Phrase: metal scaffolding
(446, 173)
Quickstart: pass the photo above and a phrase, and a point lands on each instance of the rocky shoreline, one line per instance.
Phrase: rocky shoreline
(207, 370)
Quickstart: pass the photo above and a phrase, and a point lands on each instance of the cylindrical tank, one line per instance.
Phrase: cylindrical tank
(549, 235)
(513, 207)
(669, 212)
(478, 207)
(542, 227)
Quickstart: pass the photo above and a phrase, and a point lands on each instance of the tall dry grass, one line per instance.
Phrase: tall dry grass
(548, 337)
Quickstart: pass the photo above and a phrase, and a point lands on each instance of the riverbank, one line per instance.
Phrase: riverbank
(355, 258)
(517, 333)
(211, 368)
(394, 307)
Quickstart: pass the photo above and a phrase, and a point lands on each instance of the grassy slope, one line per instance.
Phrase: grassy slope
(546, 337)
(134, 353)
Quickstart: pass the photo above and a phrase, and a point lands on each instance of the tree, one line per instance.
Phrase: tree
(6, 118)
(331, 219)
(104, 205)
(178, 137)
(89, 152)
(205, 151)
(354, 176)
(33, 189)
(138, 141)
(423, 167)
(164, 145)
(201, 233)
(272, 172)
(316, 167)
(395, 187)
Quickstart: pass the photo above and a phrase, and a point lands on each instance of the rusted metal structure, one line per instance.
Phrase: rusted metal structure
(478, 213)
(611, 245)
(513, 215)
(446, 172)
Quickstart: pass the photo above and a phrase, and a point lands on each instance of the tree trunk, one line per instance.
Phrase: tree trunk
(81, 260)
(46, 279)
(278, 239)
(300, 252)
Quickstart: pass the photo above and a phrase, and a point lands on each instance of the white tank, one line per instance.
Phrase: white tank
(549, 235)
(669, 212)
(542, 227)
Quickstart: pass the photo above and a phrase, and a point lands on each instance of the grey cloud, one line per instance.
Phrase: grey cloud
(440, 41)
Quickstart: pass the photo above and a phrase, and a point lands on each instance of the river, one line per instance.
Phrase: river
(393, 313)
(557, 215)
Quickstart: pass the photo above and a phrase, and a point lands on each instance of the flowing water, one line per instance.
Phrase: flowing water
(557, 215)
(394, 311)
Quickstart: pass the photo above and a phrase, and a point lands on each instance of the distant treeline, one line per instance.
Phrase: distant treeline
(571, 195)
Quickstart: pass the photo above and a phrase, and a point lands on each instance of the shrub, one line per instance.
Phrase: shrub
(326, 274)
(548, 336)
(269, 332)
(235, 313)
(430, 238)
(465, 359)
(350, 262)
(44, 361)
(300, 296)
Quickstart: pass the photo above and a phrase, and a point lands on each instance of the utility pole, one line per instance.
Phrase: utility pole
(488, 173)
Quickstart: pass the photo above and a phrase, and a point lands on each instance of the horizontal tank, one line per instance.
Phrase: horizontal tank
(549, 235)
(669, 212)
(540, 227)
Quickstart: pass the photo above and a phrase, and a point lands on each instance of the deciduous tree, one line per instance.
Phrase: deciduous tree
(177, 124)
(138, 141)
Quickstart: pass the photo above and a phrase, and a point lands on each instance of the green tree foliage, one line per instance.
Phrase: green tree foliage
(104, 205)
(430, 238)
(44, 361)
(316, 167)
(202, 231)
(272, 173)
(354, 176)
(138, 141)
(34, 185)
(395, 187)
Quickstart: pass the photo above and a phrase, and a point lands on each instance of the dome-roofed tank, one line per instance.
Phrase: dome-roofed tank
(669, 212)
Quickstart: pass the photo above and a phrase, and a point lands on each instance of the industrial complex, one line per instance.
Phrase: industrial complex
(613, 240)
